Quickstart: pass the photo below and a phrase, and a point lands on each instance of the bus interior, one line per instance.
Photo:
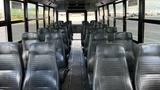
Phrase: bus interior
(79, 45)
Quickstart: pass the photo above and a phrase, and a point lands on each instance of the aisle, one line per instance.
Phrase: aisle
(77, 77)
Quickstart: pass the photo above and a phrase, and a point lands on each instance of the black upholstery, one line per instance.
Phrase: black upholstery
(95, 39)
(28, 38)
(56, 40)
(42, 71)
(10, 67)
(148, 67)
(111, 72)
(125, 39)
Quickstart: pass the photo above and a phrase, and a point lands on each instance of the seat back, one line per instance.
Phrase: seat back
(57, 41)
(95, 40)
(28, 38)
(10, 67)
(111, 33)
(42, 71)
(125, 39)
(148, 67)
(111, 71)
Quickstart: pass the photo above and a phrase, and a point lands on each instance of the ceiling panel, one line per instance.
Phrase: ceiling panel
(64, 4)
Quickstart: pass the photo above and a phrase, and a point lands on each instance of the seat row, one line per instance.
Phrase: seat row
(38, 63)
(42, 72)
(115, 62)
(111, 69)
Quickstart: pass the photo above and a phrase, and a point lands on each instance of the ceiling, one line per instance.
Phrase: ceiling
(63, 5)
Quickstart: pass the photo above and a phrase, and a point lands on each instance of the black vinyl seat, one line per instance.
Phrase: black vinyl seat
(62, 62)
(125, 39)
(28, 38)
(148, 67)
(111, 71)
(42, 71)
(111, 33)
(10, 67)
(95, 40)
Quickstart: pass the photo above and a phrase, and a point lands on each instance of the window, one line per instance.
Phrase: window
(152, 9)
(91, 16)
(1, 10)
(62, 16)
(119, 25)
(106, 15)
(119, 16)
(40, 12)
(31, 11)
(76, 18)
(111, 10)
(55, 19)
(17, 31)
(119, 10)
(151, 33)
(3, 34)
(132, 9)
(32, 26)
(46, 16)
(98, 15)
(41, 24)
(17, 10)
(101, 14)
(51, 15)
(111, 15)
(132, 26)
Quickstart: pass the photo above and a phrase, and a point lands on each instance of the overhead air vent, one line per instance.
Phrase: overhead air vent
(76, 6)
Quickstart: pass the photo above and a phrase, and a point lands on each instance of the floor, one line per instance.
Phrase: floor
(77, 76)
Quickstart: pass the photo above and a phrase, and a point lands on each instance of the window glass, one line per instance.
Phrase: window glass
(31, 11)
(90, 16)
(32, 26)
(76, 18)
(1, 10)
(41, 24)
(132, 9)
(98, 15)
(132, 26)
(62, 16)
(119, 10)
(151, 33)
(101, 14)
(111, 21)
(152, 9)
(106, 14)
(111, 10)
(51, 15)
(55, 18)
(17, 10)
(40, 12)
(111, 15)
(17, 31)
(119, 25)
(3, 34)
(46, 16)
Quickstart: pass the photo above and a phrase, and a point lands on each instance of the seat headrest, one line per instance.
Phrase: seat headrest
(110, 50)
(149, 49)
(100, 36)
(112, 29)
(53, 36)
(9, 48)
(43, 30)
(42, 48)
(29, 36)
(123, 36)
